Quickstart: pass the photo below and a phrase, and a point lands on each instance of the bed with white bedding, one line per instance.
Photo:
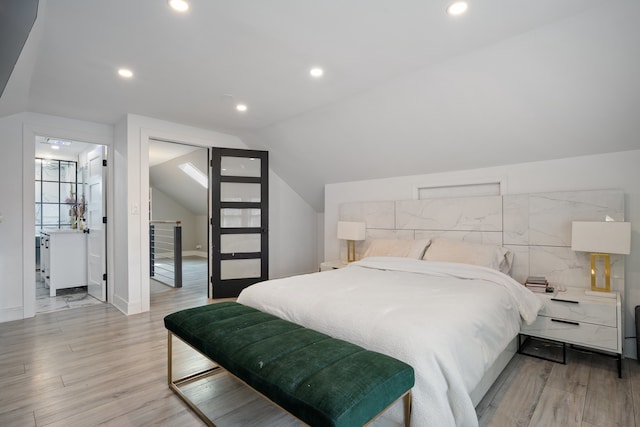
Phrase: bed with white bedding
(450, 321)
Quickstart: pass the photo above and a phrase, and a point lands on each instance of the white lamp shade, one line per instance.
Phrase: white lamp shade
(348, 230)
(607, 237)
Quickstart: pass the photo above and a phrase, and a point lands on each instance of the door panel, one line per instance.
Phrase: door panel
(240, 269)
(236, 218)
(239, 192)
(241, 166)
(96, 259)
(240, 219)
(231, 243)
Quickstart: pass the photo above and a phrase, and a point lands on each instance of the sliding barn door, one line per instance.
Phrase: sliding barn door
(240, 220)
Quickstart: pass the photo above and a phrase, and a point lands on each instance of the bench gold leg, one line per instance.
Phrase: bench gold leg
(173, 384)
(407, 409)
(406, 403)
(169, 353)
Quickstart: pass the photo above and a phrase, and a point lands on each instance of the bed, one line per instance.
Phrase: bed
(451, 321)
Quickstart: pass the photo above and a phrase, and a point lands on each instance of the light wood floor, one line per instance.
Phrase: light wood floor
(94, 366)
(194, 271)
(585, 392)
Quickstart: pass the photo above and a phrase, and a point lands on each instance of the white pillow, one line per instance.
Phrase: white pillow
(396, 247)
(492, 256)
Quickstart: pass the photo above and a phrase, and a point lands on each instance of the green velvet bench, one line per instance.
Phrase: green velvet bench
(320, 380)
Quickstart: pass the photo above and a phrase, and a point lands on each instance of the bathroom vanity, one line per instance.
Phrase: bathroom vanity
(63, 259)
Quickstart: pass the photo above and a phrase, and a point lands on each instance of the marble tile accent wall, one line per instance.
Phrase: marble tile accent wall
(541, 223)
(564, 267)
(390, 234)
(464, 213)
(544, 219)
(487, 237)
(374, 214)
(536, 227)
(372, 234)
(516, 219)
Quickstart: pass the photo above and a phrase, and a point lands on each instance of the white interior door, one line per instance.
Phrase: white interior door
(96, 259)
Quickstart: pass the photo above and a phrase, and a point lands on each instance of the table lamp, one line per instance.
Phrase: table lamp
(351, 231)
(601, 238)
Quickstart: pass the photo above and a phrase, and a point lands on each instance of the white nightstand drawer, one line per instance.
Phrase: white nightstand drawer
(332, 265)
(584, 310)
(580, 333)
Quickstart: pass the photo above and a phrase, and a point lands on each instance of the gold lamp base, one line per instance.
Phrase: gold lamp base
(351, 250)
(607, 273)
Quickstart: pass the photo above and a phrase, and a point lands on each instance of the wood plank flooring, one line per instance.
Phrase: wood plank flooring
(585, 392)
(94, 366)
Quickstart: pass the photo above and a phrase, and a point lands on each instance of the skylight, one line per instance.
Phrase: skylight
(457, 8)
(195, 174)
(179, 5)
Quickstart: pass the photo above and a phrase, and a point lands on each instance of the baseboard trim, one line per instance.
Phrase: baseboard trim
(12, 313)
(125, 306)
(201, 254)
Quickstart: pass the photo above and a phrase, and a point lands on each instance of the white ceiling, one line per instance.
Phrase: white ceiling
(407, 89)
(46, 150)
(161, 151)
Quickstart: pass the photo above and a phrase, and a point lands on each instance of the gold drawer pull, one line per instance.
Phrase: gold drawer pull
(566, 321)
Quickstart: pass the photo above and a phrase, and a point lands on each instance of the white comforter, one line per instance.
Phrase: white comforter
(449, 321)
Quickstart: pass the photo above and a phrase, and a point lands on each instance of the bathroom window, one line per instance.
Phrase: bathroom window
(56, 185)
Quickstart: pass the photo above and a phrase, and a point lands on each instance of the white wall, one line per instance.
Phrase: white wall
(11, 228)
(118, 287)
(292, 231)
(202, 236)
(320, 256)
(606, 171)
(165, 208)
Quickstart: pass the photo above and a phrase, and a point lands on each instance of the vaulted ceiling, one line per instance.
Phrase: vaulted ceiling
(407, 89)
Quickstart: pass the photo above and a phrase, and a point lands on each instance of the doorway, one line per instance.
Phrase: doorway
(70, 224)
(179, 218)
(219, 196)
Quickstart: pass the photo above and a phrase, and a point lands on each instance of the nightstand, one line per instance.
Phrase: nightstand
(572, 317)
(332, 265)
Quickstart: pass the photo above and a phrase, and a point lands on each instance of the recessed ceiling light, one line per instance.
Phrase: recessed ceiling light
(179, 5)
(241, 107)
(53, 141)
(457, 8)
(316, 72)
(126, 73)
(55, 147)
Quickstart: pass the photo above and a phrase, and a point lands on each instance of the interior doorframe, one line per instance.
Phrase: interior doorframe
(145, 136)
(29, 133)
